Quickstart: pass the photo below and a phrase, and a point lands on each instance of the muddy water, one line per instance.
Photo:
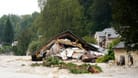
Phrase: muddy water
(19, 67)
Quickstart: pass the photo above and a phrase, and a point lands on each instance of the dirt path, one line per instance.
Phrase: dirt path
(19, 67)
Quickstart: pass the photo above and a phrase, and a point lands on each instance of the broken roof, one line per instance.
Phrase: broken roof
(69, 35)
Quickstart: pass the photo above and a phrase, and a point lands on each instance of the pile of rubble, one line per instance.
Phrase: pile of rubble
(68, 46)
(67, 49)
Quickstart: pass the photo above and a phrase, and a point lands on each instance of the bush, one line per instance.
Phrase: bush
(1, 50)
(102, 59)
(51, 61)
(5, 49)
(78, 69)
(115, 42)
(106, 58)
(73, 68)
(34, 46)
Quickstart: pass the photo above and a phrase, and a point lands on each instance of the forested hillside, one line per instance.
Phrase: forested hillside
(82, 17)
(18, 23)
(12, 28)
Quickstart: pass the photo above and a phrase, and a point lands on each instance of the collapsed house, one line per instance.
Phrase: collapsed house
(69, 46)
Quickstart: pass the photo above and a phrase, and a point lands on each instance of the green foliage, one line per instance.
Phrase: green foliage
(89, 39)
(51, 61)
(41, 4)
(15, 49)
(8, 33)
(58, 17)
(102, 59)
(22, 31)
(97, 15)
(34, 46)
(107, 57)
(79, 69)
(5, 49)
(73, 68)
(115, 42)
(111, 53)
(23, 42)
(125, 15)
(82, 17)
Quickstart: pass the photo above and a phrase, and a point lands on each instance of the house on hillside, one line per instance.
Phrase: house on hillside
(105, 37)
(68, 45)
(120, 51)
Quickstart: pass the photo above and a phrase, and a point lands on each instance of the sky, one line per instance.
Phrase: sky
(18, 7)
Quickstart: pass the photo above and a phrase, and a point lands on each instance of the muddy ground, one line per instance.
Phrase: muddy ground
(20, 67)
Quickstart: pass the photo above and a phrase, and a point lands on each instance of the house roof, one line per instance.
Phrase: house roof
(110, 32)
(100, 49)
(69, 35)
(120, 45)
(100, 34)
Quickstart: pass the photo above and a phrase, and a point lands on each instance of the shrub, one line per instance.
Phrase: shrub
(73, 68)
(34, 46)
(102, 59)
(78, 69)
(106, 58)
(5, 49)
(50, 61)
(115, 42)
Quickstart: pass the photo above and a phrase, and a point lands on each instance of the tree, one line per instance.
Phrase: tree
(1, 31)
(8, 33)
(41, 4)
(100, 14)
(125, 15)
(23, 42)
(97, 15)
(58, 16)
(89, 39)
(3, 20)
